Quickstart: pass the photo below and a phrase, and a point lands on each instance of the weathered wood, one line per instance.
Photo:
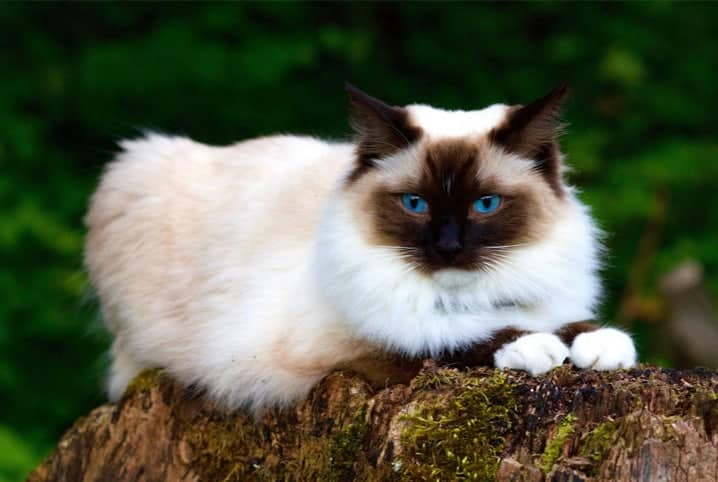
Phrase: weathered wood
(644, 424)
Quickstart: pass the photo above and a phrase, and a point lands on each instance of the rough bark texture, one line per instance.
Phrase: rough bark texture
(644, 424)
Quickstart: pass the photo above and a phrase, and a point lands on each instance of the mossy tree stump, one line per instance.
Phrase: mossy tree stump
(644, 424)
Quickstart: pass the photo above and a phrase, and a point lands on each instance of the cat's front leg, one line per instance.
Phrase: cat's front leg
(535, 353)
(598, 348)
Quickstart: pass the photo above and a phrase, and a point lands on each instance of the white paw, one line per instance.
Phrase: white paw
(536, 353)
(603, 349)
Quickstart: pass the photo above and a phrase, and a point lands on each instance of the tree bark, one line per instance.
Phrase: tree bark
(645, 424)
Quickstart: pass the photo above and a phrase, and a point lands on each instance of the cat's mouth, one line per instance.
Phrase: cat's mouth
(464, 261)
(465, 265)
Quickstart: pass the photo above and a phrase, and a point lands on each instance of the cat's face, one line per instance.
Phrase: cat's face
(455, 190)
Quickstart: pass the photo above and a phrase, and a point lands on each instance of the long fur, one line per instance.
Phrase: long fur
(246, 270)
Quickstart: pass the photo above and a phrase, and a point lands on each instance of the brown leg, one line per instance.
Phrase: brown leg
(382, 369)
(568, 332)
(482, 354)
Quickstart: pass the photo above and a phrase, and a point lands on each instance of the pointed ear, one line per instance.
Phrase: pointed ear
(532, 131)
(381, 129)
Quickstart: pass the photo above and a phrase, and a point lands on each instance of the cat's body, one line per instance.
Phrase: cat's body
(254, 270)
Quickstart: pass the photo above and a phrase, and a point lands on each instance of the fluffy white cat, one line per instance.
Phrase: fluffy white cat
(255, 269)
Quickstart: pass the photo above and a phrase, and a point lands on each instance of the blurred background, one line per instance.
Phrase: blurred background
(76, 78)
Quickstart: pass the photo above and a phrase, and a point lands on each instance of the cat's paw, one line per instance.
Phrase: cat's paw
(603, 349)
(536, 353)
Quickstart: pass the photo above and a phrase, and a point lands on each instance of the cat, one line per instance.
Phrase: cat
(253, 270)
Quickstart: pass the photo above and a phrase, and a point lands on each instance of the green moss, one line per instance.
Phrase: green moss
(144, 381)
(343, 449)
(627, 432)
(311, 460)
(332, 457)
(566, 428)
(669, 432)
(219, 450)
(433, 379)
(705, 404)
(459, 436)
(599, 441)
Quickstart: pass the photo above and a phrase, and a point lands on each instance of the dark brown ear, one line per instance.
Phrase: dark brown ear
(533, 130)
(381, 129)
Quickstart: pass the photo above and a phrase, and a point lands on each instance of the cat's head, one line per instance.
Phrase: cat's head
(449, 225)
(454, 191)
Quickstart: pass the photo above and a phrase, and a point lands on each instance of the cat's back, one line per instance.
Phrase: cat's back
(176, 178)
(170, 211)
(160, 164)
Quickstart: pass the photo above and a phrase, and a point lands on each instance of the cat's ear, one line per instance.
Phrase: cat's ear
(381, 129)
(532, 131)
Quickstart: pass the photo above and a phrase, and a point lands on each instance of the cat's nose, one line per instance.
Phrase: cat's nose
(450, 247)
(449, 243)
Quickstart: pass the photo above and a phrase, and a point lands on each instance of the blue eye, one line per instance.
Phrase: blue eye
(487, 204)
(414, 203)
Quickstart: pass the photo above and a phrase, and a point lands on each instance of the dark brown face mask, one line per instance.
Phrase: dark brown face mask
(451, 217)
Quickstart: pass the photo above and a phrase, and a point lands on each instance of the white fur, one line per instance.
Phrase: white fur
(243, 269)
(456, 123)
(200, 256)
(395, 307)
(536, 353)
(603, 349)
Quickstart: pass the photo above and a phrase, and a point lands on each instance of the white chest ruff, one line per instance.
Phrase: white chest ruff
(540, 288)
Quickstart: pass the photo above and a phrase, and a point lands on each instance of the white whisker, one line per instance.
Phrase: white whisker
(505, 246)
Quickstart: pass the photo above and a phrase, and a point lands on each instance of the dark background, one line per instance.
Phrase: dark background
(75, 78)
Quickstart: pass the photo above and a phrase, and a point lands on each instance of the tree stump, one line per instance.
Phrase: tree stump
(645, 424)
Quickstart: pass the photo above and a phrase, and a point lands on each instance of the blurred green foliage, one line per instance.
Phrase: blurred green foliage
(78, 77)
